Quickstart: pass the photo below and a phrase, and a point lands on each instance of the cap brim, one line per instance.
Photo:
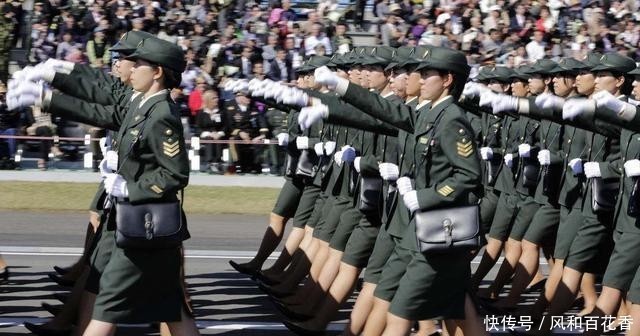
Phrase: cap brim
(391, 65)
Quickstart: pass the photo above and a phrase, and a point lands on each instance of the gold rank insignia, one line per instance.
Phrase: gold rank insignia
(135, 132)
(465, 147)
(156, 189)
(171, 149)
(445, 191)
(423, 140)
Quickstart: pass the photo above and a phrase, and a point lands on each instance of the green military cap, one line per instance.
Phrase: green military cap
(129, 41)
(313, 63)
(567, 65)
(381, 55)
(416, 56)
(592, 59)
(303, 67)
(635, 71)
(521, 73)
(360, 55)
(498, 73)
(542, 67)
(160, 52)
(615, 63)
(335, 61)
(483, 73)
(400, 56)
(447, 59)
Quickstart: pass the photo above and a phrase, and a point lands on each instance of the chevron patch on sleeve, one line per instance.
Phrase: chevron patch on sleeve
(445, 190)
(171, 149)
(464, 147)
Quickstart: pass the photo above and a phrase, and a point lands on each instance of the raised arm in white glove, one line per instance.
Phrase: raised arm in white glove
(486, 153)
(115, 185)
(312, 114)
(296, 97)
(576, 166)
(592, 169)
(575, 107)
(502, 103)
(544, 157)
(632, 168)
(61, 66)
(324, 76)
(486, 98)
(40, 72)
(625, 110)
(389, 171)
(548, 100)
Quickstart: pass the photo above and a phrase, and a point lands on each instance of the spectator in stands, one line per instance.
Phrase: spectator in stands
(246, 64)
(40, 124)
(212, 125)
(316, 37)
(9, 125)
(392, 32)
(98, 50)
(536, 48)
(340, 42)
(7, 25)
(196, 99)
(280, 68)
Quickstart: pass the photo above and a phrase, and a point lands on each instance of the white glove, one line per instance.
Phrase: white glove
(502, 103)
(302, 142)
(337, 157)
(486, 153)
(254, 84)
(548, 100)
(576, 166)
(112, 160)
(319, 149)
(356, 163)
(486, 98)
(524, 150)
(592, 169)
(508, 160)
(632, 168)
(389, 171)
(115, 185)
(324, 76)
(348, 154)
(605, 99)
(40, 72)
(25, 94)
(312, 114)
(329, 147)
(104, 170)
(295, 97)
(575, 107)
(283, 139)
(472, 89)
(61, 66)
(241, 86)
(404, 185)
(229, 85)
(272, 91)
(103, 146)
(411, 200)
(544, 157)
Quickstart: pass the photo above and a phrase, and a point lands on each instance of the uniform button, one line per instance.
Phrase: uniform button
(569, 141)
(624, 159)
(544, 141)
(521, 138)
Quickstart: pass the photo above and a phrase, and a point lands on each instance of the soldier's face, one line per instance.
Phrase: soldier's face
(398, 82)
(519, 88)
(433, 84)
(354, 75)
(143, 75)
(606, 81)
(122, 69)
(536, 85)
(413, 84)
(563, 85)
(585, 83)
(375, 77)
(495, 86)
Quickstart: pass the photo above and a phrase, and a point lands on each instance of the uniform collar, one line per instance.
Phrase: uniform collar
(144, 100)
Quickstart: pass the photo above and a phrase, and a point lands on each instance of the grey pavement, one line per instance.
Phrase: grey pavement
(87, 176)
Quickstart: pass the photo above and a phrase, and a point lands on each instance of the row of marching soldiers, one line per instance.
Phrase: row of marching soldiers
(396, 162)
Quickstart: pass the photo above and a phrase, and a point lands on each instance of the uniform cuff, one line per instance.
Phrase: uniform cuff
(342, 86)
(523, 106)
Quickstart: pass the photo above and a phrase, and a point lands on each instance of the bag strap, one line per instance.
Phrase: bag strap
(427, 150)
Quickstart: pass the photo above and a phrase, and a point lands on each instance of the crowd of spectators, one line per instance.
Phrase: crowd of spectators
(245, 39)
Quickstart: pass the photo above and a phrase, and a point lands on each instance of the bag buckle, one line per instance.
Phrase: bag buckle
(148, 226)
(448, 229)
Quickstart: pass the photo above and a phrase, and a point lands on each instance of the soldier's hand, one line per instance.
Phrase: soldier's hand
(254, 84)
(310, 115)
(524, 150)
(112, 160)
(40, 72)
(486, 153)
(337, 157)
(61, 66)
(411, 200)
(549, 101)
(575, 107)
(296, 97)
(502, 103)
(229, 84)
(625, 110)
(104, 170)
(356, 163)
(576, 166)
(389, 171)
(592, 169)
(486, 98)
(272, 90)
(319, 149)
(302, 142)
(241, 86)
(283, 139)
(116, 185)
(25, 94)
(324, 76)
(404, 185)
(632, 168)
(544, 157)
(508, 160)
(348, 153)
(329, 147)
